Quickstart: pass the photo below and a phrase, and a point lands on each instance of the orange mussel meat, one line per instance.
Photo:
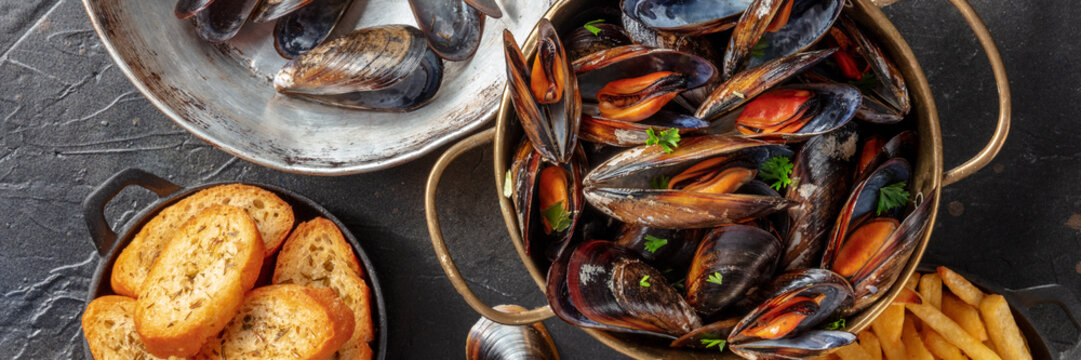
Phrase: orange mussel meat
(552, 190)
(636, 99)
(547, 78)
(777, 111)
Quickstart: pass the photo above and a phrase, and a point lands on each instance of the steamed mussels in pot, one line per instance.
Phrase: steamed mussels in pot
(739, 201)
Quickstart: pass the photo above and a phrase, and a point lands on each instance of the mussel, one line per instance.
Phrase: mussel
(489, 340)
(821, 179)
(778, 28)
(547, 199)
(870, 244)
(307, 27)
(619, 65)
(876, 150)
(792, 113)
(783, 326)
(596, 37)
(609, 285)
(664, 249)
(488, 7)
(746, 85)
(690, 17)
(221, 20)
(729, 261)
(597, 129)
(452, 27)
(702, 175)
(386, 68)
(712, 335)
(273, 9)
(545, 96)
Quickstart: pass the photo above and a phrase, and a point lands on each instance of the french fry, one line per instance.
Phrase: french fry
(960, 286)
(940, 347)
(869, 342)
(852, 351)
(913, 344)
(1003, 329)
(888, 328)
(934, 319)
(912, 281)
(966, 316)
(931, 289)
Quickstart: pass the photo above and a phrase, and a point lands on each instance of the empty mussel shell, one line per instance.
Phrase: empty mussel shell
(273, 9)
(489, 340)
(221, 20)
(691, 17)
(368, 59)
(598, 37)
(411, 93)
(452, 27)
(808, 22)
(304, 29)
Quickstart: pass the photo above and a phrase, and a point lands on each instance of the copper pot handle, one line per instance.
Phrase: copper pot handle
(445, 260)
(1004, 106)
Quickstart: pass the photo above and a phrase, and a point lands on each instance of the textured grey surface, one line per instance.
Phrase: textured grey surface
(70, 120)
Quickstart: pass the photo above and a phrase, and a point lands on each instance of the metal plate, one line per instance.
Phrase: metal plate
(223, 93)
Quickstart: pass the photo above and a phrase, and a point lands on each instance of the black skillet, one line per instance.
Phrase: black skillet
(1021, 303)
(109, 243)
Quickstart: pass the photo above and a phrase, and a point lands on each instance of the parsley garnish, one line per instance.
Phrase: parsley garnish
(668, 139)
(759, 49)
(644, 282)
(593, 29)
(719, 343)
(678, 284)
(836, 325)
(660, 182)
(891, 196)
(715, 278)
(653, 243)
(558, 218)
(507, 187)
(777, 169)
(865, 83)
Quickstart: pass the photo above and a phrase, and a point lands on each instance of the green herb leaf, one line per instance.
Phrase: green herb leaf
(719, 343)
(866, 83)
(557, 217)
(679, 284)
(836, 325)
(644, 282)
(667, 139)
(508, 188)
(660, 182)
(891, 196)
(653, 243)
(715, 278)
(759, 49)
(777, 169)
(593, 29)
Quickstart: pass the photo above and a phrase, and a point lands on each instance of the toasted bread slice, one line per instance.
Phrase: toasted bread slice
(284, 322)
(198, 281)
(272, 215)
(109, 326)
(316, 254)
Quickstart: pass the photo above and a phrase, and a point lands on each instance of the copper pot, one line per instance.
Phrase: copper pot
(929, 176)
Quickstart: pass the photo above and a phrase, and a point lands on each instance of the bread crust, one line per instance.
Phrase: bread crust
(197, 283)
(273, 216)
(109, 326)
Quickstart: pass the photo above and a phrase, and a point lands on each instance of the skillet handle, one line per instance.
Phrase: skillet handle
(1055, 294)
(1004, 106)
(101, 233)
(445, 260)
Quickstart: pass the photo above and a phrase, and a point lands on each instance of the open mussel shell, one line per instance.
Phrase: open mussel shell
(620, 187)
(862, 201)
(776, 223)
(903, 145)
(821, 179)
(534, 181)
(631, 61)
(557, 292)
(552, 126)
(718, 330)
(489, 340)
(744, 86)
(784, 322)
(729, 261)
(610, 285)
(273, 9)
(676, 250)
(890, 85)
(488, 7)
(759, 17)
(582, 41)
(221, 20)
(307, 27)
(691, 17)
(452, 27)
(597, 129)
(411, 93)
(368, 59)
(186, 8)
(808, 22)
(830, 107)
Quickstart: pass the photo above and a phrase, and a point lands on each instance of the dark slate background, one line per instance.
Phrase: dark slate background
(70, 120)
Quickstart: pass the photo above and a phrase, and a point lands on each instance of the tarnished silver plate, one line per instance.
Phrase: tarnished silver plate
(223, 93)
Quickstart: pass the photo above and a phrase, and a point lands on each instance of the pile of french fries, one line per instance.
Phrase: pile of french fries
(955, 322)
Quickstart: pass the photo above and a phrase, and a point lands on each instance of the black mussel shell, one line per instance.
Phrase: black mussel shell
(729, 261)
(692, 17)
(488, 7)
(668, 250)
(816, 296)
(307, 27)
(273, 9)
(186, 8)
(748, 84)
(411, 93)
(834, 105)
(583, 41)
(221, 20)
(809, 21)
(452, 27)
